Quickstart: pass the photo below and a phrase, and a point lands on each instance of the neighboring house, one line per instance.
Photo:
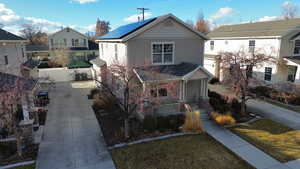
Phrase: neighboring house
(37, 52)
(173, 49)
(12, 53)
(72, 43)
(280, 39)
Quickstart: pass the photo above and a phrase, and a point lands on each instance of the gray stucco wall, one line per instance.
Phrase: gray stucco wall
(186, 50)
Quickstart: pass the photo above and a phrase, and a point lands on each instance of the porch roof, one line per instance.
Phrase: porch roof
(294, 59)
(167, 72)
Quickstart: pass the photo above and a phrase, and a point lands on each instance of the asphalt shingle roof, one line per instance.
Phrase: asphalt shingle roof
(165, 72)
(37, 48)
(9, 82)
(4, 35)
(122, 31)
(269, 28)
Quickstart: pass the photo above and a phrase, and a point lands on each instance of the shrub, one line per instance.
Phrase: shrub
(236, 108)
(214, 95)
(175, 121)
(43, 65)
(7, 149)
(103, 101)
(163, 122)
(219, 105)
(222, 119)
(192, 122)
(214, 81)
(93, 92)
(150, 123)
(264, 91)
(295, 101)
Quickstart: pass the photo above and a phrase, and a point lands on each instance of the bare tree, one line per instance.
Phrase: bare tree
(13, 94)
(34, 34)
(238, 67)
(102, 27)
(289, 10)
(130, 94)
(202, 24)
(61, 56)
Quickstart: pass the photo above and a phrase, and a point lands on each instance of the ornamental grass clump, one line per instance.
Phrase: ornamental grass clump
(192, 123)
(222, 119)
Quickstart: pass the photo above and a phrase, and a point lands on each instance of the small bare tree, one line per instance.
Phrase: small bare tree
(61, 56)
(238, 67)
(289, 10)
(202, 24)
(34, 35)
(12, 97)
(130, 94)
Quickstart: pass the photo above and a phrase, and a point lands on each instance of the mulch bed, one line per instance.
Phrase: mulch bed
(8, 154)
(112, 125)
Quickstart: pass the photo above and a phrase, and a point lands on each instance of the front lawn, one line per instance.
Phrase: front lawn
(273, 138)
(32, 166)
(185, 152)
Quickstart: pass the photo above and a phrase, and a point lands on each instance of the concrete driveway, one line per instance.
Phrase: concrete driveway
(72, 137)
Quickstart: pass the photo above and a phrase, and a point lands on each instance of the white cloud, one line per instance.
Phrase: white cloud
(12, 22)
(84, 1)
(268, 18)
(134, 18)
(287, 4)
(223, 12)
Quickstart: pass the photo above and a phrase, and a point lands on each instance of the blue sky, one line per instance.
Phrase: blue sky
(82, 14)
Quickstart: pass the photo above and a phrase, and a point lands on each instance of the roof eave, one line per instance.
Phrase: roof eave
(14, 41)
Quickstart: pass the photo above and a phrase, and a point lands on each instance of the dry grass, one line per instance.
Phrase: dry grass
(275, 139)
(222, 119)
(32, 166)
(192, 122)
(185, 152)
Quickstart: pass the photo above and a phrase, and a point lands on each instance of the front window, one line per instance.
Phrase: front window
(251, 46)
(297, 47)
(162, 53)
(212, 45)
(159, 92)
(268, 73)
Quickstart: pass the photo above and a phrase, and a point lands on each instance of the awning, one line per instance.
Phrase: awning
(78, 64)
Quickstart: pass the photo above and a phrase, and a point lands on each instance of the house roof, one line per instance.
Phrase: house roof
(165, 72)
(122, 31)
(9, 82)
(129, 31)
(97, 61)
(31, 48)
(295, 59)
(93, 45)
(7, 36)
(30, 63)
(256, 29)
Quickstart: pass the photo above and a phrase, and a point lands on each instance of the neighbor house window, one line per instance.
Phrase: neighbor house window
(22, 49)
(52, 43)
(251, 46)
(5, 60)
(162, 53)
(116, 51)
(84, 42)
(268, 73)
(73, 42)
(160, 92)
(297, 47)
(65, 42)
(212, 45)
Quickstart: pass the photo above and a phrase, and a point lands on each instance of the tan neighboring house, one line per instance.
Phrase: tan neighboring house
(75, 43)
(280, 38)
(174, 50)
(12, 53)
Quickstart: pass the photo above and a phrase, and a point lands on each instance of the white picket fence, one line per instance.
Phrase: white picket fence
(63, 74)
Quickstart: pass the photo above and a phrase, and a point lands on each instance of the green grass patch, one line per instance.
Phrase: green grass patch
(192, 152)
(273, 138)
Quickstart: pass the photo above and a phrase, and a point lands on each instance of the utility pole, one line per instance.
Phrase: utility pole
(143, 11)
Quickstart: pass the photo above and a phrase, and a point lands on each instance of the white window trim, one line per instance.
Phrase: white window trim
(170, 42)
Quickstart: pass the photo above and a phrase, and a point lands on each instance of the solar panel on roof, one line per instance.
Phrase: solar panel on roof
(126, 29)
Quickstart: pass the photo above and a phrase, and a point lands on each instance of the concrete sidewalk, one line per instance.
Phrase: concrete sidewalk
(72, 137)
(284, 116)
(243, 149)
